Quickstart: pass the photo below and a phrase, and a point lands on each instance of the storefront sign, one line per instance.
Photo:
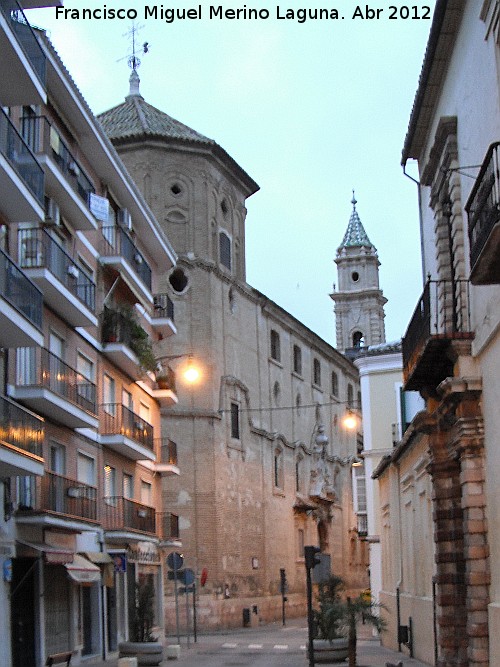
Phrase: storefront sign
(120, 561)
(143, 552)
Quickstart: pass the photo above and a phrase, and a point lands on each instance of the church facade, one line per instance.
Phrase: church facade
(265, 460)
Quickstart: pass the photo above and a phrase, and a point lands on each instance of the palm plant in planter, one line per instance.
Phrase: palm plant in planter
(336, 621)
(142, 645)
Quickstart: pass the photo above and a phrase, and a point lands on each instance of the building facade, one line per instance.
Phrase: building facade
(452, 345)
(82, 448)
(265, 459)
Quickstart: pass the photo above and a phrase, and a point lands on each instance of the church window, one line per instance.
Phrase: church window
(178, 280)
(225, 250)
(278, 468)
(298, 403)
(297, 359)
(355, 276)
(335, 384)
(176, 189)
(224, 207)
(235, 421)
(317, 373)
(298, 474)
(275, 345)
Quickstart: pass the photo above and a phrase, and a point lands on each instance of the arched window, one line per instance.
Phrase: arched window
(275, 345)
(225, 250)
(335, 384)
(317, 373)
(277, 393)
(350, 395)
(278, 468)
(358, 340)
(297, 359)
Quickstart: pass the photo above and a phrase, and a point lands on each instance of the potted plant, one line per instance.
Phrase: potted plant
(142, 645)
(121, 325)
(336, 621)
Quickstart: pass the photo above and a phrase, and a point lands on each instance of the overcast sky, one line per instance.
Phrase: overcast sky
(310, 110)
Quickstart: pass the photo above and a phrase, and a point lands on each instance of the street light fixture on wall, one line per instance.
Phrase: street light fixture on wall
(190, 372)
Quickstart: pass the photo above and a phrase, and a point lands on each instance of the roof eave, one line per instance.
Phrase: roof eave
(445, 25)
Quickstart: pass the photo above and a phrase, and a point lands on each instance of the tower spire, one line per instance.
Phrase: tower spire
(355, 236)
(134, 61)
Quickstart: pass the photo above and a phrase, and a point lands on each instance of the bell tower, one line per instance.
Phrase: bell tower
(359, 302)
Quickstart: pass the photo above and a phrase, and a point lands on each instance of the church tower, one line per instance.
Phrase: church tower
(359, 302)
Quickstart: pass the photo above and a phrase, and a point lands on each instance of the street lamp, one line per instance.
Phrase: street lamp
(350, 420)
(190, 370)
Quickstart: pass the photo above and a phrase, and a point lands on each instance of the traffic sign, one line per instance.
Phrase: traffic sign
(175, 560)
(188, 577)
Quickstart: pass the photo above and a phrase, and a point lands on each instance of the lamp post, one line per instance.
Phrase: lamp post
(191, 372)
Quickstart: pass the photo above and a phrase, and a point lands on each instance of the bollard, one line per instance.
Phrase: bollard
(173, 652)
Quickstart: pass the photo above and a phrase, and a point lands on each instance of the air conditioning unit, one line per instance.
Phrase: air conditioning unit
(73, 271)
(52, 212)
(125, 219)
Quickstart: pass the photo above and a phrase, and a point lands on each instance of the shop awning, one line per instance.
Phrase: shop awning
(52, 555)
(82, 571)
(98, 557)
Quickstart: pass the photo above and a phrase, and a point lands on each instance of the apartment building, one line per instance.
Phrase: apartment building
(451, 351)
(82, 448)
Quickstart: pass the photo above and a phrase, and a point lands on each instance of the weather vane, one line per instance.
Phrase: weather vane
(133, 59)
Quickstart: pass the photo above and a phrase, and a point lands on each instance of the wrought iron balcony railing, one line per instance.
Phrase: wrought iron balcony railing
(117, 241)
(37, 249)
(117, 419)
(20, 428)
(483, 212)
(121, 513)
(168, 451)
(21, 158)
(362, 521)
(56, 493)
(26, 37)
(168, 526)
(37, 367)
(44, 138)
(441, 316)
(19, 291)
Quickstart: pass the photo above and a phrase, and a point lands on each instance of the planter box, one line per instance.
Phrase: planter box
(147, 653)
(329, 652)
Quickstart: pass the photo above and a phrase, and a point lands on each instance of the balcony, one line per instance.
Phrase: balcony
(122, 515)
(65, 179)
(22, 181)
(441, 317)
(21, 438)
(483, 212)
(49, 387)
(66, 287)
(119, 252)
(362, 524)
(23, 60)
(126, 432)
(126, 343)
(167, 465)
(162, 320)
(53, 500)
(168, 528)
(21, 304)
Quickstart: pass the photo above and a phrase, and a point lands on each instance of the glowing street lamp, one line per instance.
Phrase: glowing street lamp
(350, 421)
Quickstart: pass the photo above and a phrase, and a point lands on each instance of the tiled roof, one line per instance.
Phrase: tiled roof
(355, 236)
(136, 118)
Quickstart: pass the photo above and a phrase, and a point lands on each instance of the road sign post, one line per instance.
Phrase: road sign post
(174, 562)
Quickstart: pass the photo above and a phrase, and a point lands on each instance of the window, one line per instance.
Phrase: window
(235, 421)
(298, 474)
(85, 378)
(146, 493)
(358, 340)
(225, 250)
(57, 458)
(278, 468)
(109, 394)
(85, 469)
(297, 359)
(350, 395)
(300, 543)
(109, 484)
(335, 384)
(277, 393)
(316, 373)
(128, 485)
(275, 345)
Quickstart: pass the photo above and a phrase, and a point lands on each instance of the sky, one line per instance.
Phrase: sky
(310, 110)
